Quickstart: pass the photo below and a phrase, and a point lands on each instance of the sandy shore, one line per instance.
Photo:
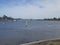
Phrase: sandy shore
(45, 42)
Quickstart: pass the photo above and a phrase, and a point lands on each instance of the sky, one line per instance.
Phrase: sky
(30, 9)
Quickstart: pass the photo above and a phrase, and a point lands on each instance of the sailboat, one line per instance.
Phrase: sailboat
(26, 24)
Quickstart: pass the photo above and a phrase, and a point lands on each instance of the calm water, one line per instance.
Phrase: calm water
(15, 33)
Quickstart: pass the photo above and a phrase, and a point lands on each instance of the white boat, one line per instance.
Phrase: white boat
(14, 20)
(26, 24)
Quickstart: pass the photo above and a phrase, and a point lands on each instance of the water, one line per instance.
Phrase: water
(15, 33)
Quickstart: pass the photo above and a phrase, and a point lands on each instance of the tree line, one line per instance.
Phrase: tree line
(52, 18)
(4, 17)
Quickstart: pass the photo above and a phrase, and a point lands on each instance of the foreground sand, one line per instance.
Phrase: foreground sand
(45, 42)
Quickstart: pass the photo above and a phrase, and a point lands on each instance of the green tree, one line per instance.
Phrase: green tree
(5, 17)
(54, 18)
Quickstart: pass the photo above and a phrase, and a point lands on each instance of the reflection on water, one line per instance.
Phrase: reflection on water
(15, 33)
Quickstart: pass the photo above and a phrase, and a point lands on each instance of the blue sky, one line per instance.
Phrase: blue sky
(30, 8)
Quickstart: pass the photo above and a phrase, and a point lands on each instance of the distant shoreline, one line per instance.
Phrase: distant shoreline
(6, 18)
(29, 20)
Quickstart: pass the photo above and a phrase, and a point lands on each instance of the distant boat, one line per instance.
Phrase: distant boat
(14, 20)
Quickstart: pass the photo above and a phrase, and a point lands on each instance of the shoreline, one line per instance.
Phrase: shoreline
(30, 20)
(42, 42)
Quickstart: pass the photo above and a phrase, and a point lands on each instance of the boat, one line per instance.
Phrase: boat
(26, 24)
(14, 20)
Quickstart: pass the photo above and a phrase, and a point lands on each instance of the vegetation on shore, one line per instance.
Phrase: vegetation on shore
(53, 19)
(47, 19)
(6, 18)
